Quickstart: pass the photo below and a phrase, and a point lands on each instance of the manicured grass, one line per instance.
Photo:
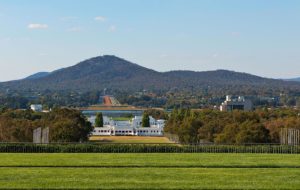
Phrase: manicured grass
(150, 171)
(122, 118)
(129, 139)
(151, 160)
(149, 178)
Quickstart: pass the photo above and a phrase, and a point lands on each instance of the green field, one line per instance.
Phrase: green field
(121, 118)
(150, 171)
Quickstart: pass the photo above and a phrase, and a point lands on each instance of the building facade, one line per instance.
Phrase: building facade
(36, 107)
(128, 128)
(239, 103)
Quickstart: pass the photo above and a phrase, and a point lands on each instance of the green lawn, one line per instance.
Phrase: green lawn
(121, 118)
(150, 160)
(150, 171)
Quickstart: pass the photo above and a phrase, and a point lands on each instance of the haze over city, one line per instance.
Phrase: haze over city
(257, 37)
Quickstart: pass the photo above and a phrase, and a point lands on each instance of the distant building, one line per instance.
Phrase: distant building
(36, 107)
(128, 128)
(239, 103)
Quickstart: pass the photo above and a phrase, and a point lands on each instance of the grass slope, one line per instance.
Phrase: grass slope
(121, 118)
(150, 171)
(149, 178)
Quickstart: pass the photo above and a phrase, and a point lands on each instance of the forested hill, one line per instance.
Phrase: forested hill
(116, 73)
(294, 79)
(38, 75)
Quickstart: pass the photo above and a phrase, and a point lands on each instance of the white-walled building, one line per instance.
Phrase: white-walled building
(239, 103)
(128, 128)
(36, 107)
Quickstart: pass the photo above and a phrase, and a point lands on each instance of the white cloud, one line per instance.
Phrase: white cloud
(100, 19)
(74, 29)
(69, 18)
(164, 55)
(37, 26)
(112, 28)
(6, 39)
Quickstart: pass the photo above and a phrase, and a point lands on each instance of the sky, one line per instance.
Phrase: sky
(260, 37)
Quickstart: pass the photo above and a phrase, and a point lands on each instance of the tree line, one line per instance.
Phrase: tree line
(65, 125)
(237, 127)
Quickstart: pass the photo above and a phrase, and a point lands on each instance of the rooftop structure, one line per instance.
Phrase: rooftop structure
(239, 103)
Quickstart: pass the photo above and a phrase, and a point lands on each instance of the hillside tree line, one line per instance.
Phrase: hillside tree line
(237, 127)
(66, 125)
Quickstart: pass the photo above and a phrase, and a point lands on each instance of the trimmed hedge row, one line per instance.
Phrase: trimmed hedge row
(146, 148)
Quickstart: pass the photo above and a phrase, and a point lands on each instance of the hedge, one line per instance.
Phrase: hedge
(145, 148)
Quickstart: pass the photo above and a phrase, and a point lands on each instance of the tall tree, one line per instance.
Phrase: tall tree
(145, 120)
(67, 125)
(99, 120)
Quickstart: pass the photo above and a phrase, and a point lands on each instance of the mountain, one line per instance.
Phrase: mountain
(294, 79)
(38, 75)
(115, 73)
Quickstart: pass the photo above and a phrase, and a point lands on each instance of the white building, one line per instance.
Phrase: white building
(36, 107)
(239, 103)
(128, 128)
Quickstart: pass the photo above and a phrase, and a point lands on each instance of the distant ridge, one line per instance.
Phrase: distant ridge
(294, 79)
(116, 73)
(38, 75)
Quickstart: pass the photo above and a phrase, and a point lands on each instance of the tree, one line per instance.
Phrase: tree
(251, 132)
(99, 120)
(145, 120)
(67, 125)
(228, 134)
(157, 114)
(188, 131)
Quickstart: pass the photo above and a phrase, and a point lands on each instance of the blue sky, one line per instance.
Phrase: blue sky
(261, 37)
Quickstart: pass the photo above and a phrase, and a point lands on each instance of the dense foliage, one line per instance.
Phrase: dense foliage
(157, 114)
(66, 125)
(146, 148)
(99, 120)
(145, 120)
(261, 126)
